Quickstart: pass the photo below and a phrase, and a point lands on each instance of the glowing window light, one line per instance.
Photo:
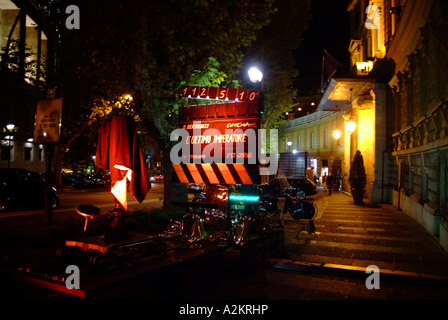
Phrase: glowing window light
(364, 67)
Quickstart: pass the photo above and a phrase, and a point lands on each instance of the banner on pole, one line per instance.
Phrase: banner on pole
(48, 121)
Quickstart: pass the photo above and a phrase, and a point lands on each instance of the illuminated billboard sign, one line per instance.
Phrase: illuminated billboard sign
(218, 142)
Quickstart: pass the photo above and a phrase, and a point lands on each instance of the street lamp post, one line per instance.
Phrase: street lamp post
(10, 127)
(256, 76)
(289, 153)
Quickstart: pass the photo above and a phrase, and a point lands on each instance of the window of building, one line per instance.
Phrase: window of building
(312, 140)
(28, 153)
(325, 138)
(6, 153)
(8, 13)
(299, 142)
(27, 44)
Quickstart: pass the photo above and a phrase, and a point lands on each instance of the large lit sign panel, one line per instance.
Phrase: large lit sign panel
(219, 142)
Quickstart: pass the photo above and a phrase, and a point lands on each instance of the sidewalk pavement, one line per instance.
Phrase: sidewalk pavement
(353, 237)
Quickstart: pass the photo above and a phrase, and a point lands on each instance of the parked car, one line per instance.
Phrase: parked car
(83, 181)
(303, 187)
(98, 179)
(20, 189)
(277, 187)
(76, 180)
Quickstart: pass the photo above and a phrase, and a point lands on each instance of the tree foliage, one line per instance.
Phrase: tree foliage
(193, 42)
(30, 65)
(148, 49)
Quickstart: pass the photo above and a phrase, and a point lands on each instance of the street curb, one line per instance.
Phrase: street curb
(289, 264)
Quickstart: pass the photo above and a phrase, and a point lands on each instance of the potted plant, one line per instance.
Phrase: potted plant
(336, 172)
(357, 178)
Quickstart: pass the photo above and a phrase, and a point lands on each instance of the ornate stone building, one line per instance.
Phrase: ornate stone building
(419, 90)
(396, 96)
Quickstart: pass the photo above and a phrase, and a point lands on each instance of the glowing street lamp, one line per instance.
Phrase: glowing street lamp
(255, 75)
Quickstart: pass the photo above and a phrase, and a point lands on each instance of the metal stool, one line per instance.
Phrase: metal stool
(88, 212)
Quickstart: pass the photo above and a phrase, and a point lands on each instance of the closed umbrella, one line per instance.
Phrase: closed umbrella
(118, 150)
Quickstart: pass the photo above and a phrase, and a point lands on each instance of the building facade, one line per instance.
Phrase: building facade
(419, 89)
(23, 76)
(392, 107)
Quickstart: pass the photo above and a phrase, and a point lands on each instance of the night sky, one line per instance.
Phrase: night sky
(329, 30)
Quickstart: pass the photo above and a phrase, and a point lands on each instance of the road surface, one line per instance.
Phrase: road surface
(102, 198)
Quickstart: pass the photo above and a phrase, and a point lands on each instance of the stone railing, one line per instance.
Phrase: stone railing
(429, 128)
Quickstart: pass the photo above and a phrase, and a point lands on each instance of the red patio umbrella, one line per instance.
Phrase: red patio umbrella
(118, 150)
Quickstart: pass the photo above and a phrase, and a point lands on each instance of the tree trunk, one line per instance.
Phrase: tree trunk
(59, 159)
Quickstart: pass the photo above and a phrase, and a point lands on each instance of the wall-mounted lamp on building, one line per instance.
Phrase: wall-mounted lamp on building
(350, 126)
(336, 134)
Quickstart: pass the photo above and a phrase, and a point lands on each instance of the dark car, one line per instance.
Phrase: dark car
(83, 181)
(276, 187)
(303, 187)
(20, 189)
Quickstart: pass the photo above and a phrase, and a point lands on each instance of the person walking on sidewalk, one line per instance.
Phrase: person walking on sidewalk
(329, 183)
(324, 182)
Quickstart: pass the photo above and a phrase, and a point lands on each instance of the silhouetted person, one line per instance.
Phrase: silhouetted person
(329, 183)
